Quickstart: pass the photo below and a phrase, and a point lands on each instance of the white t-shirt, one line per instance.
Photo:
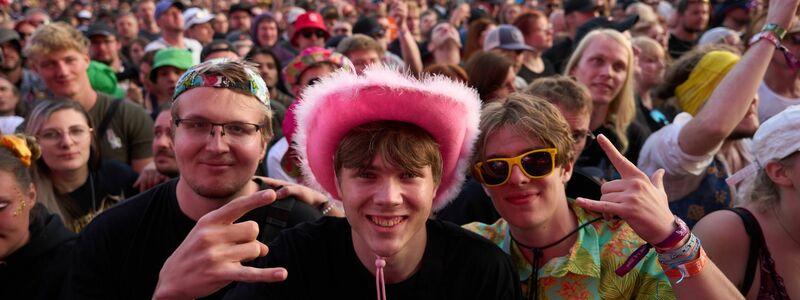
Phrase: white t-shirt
(274, 156)
(8, 125)
(770, 103)
(192, 45)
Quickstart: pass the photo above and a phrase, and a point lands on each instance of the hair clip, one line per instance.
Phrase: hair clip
(19, 147)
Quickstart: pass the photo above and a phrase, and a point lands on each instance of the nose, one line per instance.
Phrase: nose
(389, 193)
(517, 177)
(216, 142)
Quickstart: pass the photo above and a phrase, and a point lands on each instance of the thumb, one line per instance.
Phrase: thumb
(657, 179)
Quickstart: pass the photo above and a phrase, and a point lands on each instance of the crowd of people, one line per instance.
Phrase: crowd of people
(482, 149)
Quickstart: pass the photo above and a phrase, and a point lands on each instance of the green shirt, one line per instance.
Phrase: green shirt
(588, 271)
(130, 133)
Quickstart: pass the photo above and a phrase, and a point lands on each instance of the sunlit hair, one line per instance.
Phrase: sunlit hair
(451, 71)
(45, 191)
(763, 192)
(402, 145)
(562, 91)
(359, 42)
(622, 108)
(473, 44)
(234, 71)
(55, 37)
(531, 117)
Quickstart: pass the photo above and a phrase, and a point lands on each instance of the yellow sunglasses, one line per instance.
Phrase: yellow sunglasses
(534, 164)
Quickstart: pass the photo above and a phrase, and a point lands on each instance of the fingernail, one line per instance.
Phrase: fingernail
(280, 274)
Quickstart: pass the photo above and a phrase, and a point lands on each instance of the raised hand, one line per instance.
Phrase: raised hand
(210, 257)
(639, 200)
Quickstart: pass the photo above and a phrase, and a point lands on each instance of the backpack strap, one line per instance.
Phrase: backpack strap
(277, 214)
(756, 240)
(112, 109)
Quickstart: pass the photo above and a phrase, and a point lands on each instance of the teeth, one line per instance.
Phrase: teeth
(386, 222)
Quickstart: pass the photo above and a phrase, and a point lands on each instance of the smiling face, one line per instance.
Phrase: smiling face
(602, 68)
(216, 166)
(64, 72)
(522, 201)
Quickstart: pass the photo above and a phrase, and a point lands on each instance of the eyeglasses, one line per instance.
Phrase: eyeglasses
(577, 136)
(235, 131)
(308, 33)
(54, 136)
(534, 164)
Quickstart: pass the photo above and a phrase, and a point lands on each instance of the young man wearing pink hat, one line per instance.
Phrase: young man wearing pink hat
(393, 148)
(309, 31)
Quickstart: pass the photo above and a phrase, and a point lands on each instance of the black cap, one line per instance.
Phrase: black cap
(241, 7)
(367, 26)
(571, 6)
(604, 22)
(216, 46)
(100, 28)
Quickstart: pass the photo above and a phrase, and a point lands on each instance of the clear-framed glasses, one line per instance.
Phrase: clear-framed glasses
(54, 136)
(233, 131)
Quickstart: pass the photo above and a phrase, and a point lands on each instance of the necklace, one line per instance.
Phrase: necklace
(780, 221)
(538, 253)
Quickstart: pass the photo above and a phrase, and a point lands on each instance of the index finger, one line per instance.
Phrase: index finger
(622, 164)
(229, 213)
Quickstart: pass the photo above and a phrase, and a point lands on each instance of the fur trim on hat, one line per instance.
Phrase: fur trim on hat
(448, 110)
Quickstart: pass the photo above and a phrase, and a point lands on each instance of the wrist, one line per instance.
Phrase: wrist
(675, 236)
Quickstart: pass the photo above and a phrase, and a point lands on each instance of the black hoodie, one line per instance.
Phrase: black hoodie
(38, 269)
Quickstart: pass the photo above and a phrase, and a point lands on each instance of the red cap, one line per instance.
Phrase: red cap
(309, 20)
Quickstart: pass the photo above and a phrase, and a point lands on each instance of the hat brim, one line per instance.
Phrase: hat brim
(201, 20)
(314, 26)
(448, 110)
(625, 24)
(177, 65)
(516, 46)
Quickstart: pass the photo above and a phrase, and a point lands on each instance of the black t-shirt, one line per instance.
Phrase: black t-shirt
(119, 255)
(678, 47)
(111, 183)
(559, 54)
(594, 161)
(322, 264)
(529, 75)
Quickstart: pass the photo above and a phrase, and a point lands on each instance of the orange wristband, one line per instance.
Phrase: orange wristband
(688, 269)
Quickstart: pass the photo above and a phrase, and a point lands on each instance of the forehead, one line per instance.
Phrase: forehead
(509, 140)
(218, 105)
(65, 117)
(164, 119)
(605, 47)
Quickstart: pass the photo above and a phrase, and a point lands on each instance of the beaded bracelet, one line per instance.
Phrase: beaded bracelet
(325, 207)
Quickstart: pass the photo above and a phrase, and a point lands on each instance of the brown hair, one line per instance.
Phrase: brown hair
(451, 71)
(487, 71)
(532, 117)
(359, 42)
(562, 91)
(402, 145)
(473, 43)
(53, 37)
(525, 21)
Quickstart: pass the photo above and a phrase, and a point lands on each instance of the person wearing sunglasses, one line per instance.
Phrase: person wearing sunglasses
(309, 31)
(561, 248)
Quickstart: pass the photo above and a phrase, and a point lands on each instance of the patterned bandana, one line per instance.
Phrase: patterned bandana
(310, 57)
(198, 76)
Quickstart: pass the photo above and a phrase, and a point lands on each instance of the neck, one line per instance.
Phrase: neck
(783, 81)
(644, 95)
(599, 113)
(785, 214)
(684, 35)
(87, 98)
(173, 38)
(151, 27)
(69, 180)
(533, 61)
(400, 265)
(15, 76)
(196, 206)
(562, 223)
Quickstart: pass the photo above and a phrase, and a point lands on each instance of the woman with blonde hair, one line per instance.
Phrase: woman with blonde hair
(603, 62)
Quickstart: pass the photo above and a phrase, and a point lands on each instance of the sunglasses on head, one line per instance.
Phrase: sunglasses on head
(308, 33)
(534, 164)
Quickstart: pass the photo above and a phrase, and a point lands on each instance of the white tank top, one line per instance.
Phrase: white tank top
(770, 103)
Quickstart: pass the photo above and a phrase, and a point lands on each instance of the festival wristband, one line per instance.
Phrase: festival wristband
(779, 31)
(765, 35)
(688, 269)
(676, 237)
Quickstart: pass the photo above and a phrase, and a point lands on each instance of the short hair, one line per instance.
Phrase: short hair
(487, 71)
(452, 71)
(683, 5)
(622, 108)
(359, 42)
(562, 91)
(473, 44)
(525, 21)
(402, 145)
(235, 72)
(53, 37)
(647, 46)
(532, 117)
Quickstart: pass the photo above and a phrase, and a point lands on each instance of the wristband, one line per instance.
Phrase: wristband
(684, 253)
(765, 35)
(325, 207)
(676, 237)
(779, 31)
(688, 269)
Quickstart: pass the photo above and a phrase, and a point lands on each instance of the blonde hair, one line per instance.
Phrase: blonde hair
(562, 91)
(763, 192)
(622, 109)
(532, 117)
(53, 37)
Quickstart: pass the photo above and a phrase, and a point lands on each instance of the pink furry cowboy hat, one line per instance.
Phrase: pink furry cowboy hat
(448, 110)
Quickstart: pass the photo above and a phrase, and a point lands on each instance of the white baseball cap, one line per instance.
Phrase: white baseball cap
(196, 15)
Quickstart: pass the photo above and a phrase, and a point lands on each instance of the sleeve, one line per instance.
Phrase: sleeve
(91, 275)
(138, 127)
(498, 278)
(661, 151)
(652, 282)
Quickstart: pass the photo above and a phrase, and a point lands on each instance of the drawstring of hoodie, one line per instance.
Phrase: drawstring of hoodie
(380, 283)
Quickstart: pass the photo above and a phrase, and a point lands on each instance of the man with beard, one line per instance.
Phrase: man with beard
(164, 155)
(104, 47)
(120, 253)
(30, 86)
(692, 19)
(716, 89)
(169, 17)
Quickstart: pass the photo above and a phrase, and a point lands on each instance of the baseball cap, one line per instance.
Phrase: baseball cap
(293, 14)
(100, 28)
(442, 33)
(241, 7)
(103, 79)
(162, 6)
(171, 57)
(9, 35)
(196, 15)
(604, 22)
(571, 6)
(775, 139)
(85, 14)
(308, 20)
(506, 37)
(216, 46)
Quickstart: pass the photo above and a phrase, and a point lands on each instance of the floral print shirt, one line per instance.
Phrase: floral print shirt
(587, 272)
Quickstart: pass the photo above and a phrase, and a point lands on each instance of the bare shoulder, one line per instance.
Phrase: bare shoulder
(725, 240)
